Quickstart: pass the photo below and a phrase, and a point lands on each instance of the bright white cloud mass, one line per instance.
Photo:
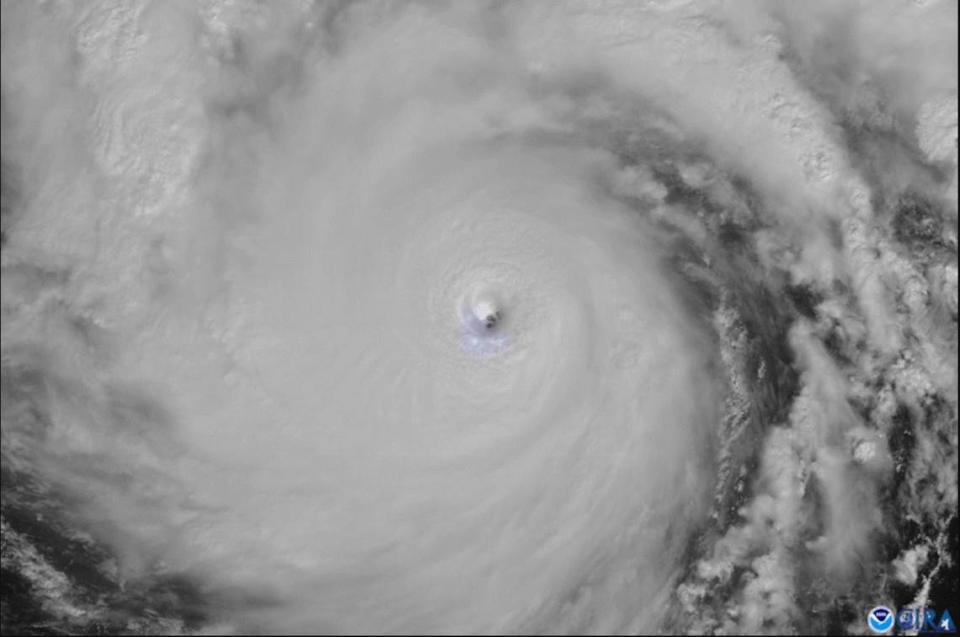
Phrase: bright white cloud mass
(480, 317)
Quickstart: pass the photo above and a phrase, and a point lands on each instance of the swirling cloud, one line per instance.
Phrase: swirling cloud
(540, 317)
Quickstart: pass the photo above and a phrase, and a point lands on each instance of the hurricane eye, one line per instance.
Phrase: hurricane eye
(482, 321)
(489, 316)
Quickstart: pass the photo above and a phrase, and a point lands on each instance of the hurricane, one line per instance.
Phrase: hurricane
(477, 317)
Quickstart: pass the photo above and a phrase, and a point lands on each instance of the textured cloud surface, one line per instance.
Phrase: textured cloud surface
(488, 317)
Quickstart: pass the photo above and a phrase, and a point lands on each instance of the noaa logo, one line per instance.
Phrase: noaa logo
(880, 619)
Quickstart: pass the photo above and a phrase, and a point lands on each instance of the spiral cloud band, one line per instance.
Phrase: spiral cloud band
(478, 318)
